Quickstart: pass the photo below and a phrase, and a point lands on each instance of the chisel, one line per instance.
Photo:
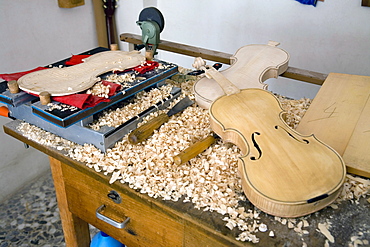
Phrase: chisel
(144, 131)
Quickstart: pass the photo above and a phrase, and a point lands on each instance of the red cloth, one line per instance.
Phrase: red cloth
(80, 100)
(114, 87)
(149, 65)
(17, 75)
(76, 59)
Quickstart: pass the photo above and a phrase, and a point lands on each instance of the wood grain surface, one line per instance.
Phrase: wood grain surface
(282, 171)
(74, 79)
(252, 65)
(339, 116)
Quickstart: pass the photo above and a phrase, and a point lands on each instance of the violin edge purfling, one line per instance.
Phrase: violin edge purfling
(266, 178)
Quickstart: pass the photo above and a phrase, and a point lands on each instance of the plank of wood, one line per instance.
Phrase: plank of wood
(336, 116)
(221, 57)
(357, 153)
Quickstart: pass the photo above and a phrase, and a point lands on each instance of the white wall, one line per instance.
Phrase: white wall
(36, 33)
(332, 37)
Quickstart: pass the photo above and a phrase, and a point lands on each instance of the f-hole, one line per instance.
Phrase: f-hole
(295, 138)
(255, 144)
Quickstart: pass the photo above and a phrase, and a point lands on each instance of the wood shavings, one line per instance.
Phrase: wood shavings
(99, 90)
(353, 189)
(324, 229)
(45, 138)
(262, 228)
(60, 107)
(143, 100)
(123, 79)
(294, 109)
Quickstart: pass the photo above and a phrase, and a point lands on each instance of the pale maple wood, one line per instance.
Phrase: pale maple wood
(76, 231)
(339, 116)
(70, 80)
(281, 170)
(357, 153)
(253, 64)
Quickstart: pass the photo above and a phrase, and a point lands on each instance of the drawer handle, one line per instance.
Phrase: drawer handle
(108, 220)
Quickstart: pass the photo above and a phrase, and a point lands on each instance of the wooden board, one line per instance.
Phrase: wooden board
(357, 153)
(338, 117)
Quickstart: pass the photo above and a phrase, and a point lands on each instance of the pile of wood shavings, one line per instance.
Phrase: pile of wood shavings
(99, 89)
(210, 181)
(143, 100)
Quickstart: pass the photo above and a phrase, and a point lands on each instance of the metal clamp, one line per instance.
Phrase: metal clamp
(108, 220)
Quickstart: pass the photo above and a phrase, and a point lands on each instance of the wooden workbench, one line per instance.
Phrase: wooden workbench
(155, 222)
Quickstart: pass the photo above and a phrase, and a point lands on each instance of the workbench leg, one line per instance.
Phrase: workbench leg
(76, 231)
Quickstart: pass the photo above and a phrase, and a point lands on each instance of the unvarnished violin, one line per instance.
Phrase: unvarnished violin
(245, 71)
(283, 173)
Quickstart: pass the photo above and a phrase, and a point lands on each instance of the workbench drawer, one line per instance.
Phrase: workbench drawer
(147, 226)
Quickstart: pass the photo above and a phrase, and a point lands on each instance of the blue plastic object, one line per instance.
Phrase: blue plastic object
(102, 239)
(308, 2)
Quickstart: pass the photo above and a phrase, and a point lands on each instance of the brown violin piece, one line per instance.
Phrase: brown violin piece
(77, 78)
(245, 71)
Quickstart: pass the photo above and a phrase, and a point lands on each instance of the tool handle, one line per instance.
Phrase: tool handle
(144, 131)
(194, 150)
(4, 111)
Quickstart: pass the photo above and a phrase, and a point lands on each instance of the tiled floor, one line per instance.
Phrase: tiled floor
(31, 217)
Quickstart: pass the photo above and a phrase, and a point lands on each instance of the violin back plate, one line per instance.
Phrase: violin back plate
(80, 77)
(283, 173)
(252, 65)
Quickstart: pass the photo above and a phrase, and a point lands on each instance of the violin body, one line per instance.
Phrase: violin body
(245, 71)
(77, 78)
(283, 173)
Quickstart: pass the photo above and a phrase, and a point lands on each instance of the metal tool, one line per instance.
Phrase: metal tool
(144, 131)
(151, 22)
